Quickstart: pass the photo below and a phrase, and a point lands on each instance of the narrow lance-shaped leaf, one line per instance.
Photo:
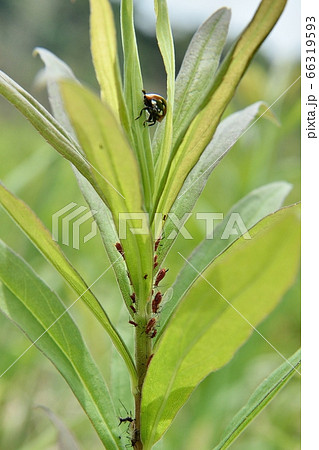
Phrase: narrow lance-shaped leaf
(218, 314)
(45, 124)
(196, 75)
(105, 59)
(133, 85)
(265, 392)
(37, 310)
(117, 173)
(41, 237)
(166, 46)
(55, 70)
(247, 212)
(227, 134)
(202, 128)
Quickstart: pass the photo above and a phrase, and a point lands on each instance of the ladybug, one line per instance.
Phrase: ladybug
(155, 105)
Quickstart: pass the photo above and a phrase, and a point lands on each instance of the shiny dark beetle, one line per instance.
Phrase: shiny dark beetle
(155, 105)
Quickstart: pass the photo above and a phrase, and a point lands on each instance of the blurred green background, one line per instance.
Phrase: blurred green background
(34, 172)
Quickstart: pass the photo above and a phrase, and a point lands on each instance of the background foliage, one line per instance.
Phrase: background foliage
(266, 153)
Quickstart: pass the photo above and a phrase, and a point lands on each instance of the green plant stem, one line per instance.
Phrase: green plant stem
(143, 351)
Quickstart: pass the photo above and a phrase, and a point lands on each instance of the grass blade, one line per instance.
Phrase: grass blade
(267, 390)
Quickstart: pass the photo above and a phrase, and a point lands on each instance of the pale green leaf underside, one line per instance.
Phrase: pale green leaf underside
(41, 237)
(205, 331)
(55, 70)
(117, 173)
(28, 302)
(265, 392)
(251, 208)
(227, 134)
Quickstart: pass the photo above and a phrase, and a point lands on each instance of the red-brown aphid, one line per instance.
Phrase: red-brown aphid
(133, 297)
(145, 276)
(150, 325)
(133, 308)
(161, 274)
(153, 333)
(133, 323)
(149, 360)
(155, 262)
(119, 248)
(156, 302)
(157, 243)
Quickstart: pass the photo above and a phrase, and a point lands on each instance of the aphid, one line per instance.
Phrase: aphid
(145, 276)
(133, 432)
(153, 333)
(133, 308)
(161, 274)
(125, 419)
(133, 323)
(157, 242)
(156, 302)
(119, 248)
(156, 106)
(155, 262)
(150, 325)
(149, 360)
(164, 217)
(133, 297)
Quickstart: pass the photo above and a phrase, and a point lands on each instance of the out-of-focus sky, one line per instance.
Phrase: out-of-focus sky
(282, 43)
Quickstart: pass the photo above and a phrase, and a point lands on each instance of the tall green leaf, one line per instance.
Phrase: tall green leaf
(196, 75)
(41, 237)
(55, 70)
(105, 59)
(166, 46)
(202, 128)
(118, 175)
(37, 310)
(250, 209)
(218, 314)
(133, 85)
(265, 392)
